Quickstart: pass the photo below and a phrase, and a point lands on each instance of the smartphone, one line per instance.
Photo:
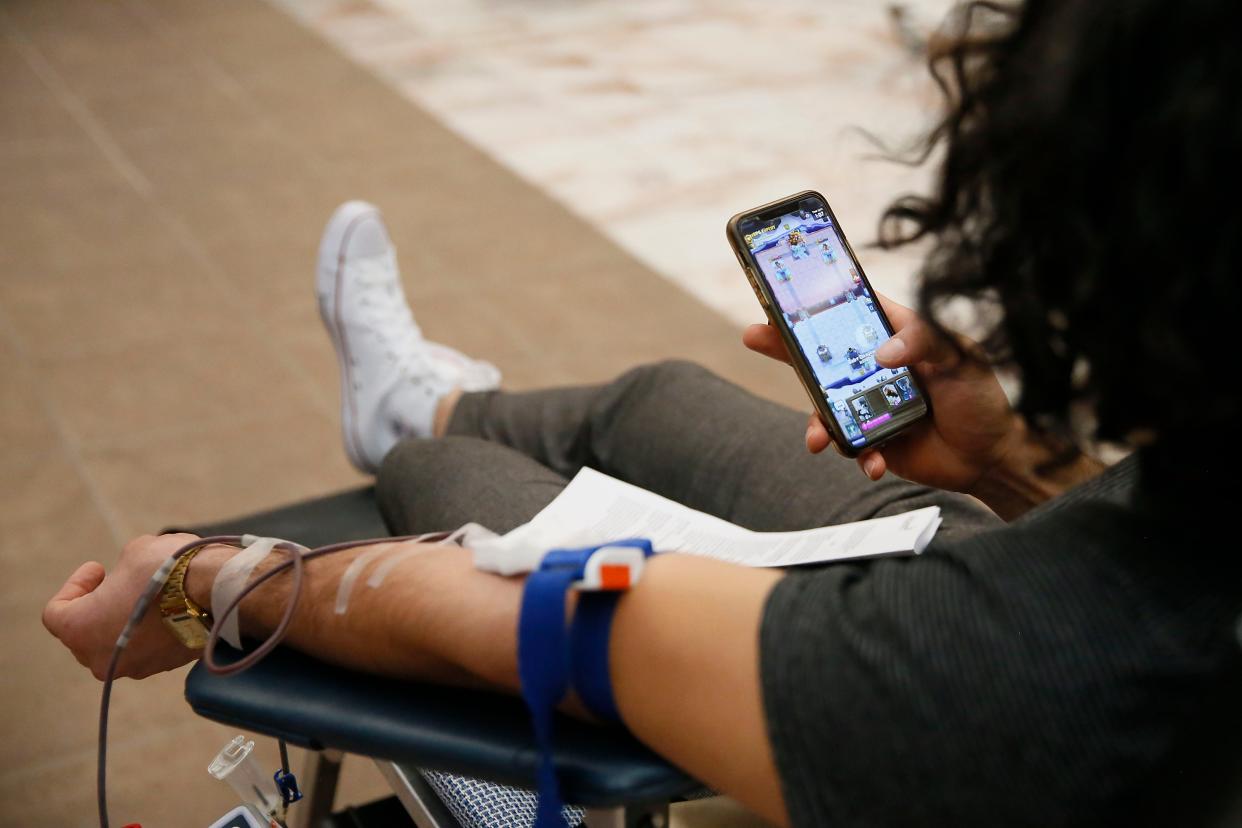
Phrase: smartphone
(816, 295)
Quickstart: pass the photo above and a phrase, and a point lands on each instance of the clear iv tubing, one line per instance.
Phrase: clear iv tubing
(297, 559)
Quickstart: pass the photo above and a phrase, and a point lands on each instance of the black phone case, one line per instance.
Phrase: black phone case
(770, 306)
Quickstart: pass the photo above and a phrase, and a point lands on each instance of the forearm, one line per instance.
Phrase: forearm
(427, 620)
(684, 657)
(1032, 472)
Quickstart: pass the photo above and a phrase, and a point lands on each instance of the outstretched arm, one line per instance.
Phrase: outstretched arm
(684, 657)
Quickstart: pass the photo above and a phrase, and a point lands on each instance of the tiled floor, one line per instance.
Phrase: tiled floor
(656, 120)
(165, 169)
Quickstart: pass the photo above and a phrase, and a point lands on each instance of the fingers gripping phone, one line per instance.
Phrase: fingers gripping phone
(816, 295)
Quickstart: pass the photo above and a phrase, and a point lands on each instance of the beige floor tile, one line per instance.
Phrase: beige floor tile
(157, 776)
(49, 523)
(175, 385)
(60, 200)
(153, 295)
(32, 118)
(79, 39)
(272, 273)
(243, 178)
(307, 346)
(210, 473)
(183, 91)
(25, 429)
(246, 37)
(48, 721)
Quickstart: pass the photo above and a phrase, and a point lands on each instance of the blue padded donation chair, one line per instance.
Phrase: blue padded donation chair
(466, 759)
(454, 758)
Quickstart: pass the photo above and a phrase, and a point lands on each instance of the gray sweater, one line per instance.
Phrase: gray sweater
(1044, 673)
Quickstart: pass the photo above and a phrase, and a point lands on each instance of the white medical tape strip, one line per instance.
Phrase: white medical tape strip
(461, 537)
(390, 563)
(352, 574)
(231, 580)
(468, 534)
(430, 537)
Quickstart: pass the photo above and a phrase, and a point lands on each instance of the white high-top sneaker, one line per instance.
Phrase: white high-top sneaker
(391, 377)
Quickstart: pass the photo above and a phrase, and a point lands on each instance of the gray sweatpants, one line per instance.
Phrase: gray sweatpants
(673, 428)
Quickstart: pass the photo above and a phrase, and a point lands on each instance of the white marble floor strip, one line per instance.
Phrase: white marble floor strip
(657, 119)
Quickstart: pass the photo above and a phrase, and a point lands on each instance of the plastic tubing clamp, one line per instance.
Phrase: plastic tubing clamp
(551, 657)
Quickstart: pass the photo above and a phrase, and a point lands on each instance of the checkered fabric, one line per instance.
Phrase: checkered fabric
(478, 804)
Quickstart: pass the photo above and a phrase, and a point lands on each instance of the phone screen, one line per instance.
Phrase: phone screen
(825, 300)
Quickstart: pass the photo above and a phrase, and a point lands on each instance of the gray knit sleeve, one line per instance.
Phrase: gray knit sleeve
(956, 688)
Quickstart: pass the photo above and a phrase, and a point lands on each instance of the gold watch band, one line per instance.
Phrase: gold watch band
(186, 620)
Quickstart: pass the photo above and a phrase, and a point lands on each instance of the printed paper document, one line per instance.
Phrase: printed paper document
(595, 508)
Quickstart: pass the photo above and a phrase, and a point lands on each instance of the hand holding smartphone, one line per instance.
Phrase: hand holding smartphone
(818, 298)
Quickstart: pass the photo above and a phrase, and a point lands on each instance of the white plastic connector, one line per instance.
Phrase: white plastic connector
(235, 764)
(144, 602)
(612, 568)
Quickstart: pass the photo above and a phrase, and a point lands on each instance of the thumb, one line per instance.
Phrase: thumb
(872, 464)
(84, 580)
(913, 343)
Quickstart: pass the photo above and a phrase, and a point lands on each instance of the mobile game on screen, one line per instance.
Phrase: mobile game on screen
(834, 318)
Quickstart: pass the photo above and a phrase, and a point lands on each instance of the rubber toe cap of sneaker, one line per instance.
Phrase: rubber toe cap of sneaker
(356, 231)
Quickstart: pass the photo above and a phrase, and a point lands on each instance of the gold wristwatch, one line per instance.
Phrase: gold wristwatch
(187, 621)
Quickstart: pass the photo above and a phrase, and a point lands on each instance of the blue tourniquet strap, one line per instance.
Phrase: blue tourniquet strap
(543, 667)
(588, 647)
(547, 659)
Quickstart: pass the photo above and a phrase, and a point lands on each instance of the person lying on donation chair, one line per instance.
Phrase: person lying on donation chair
(1045, 660)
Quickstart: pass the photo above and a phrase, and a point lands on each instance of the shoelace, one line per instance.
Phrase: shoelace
(384, 308)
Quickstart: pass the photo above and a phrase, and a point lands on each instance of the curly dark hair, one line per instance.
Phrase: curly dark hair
(1087, 208)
